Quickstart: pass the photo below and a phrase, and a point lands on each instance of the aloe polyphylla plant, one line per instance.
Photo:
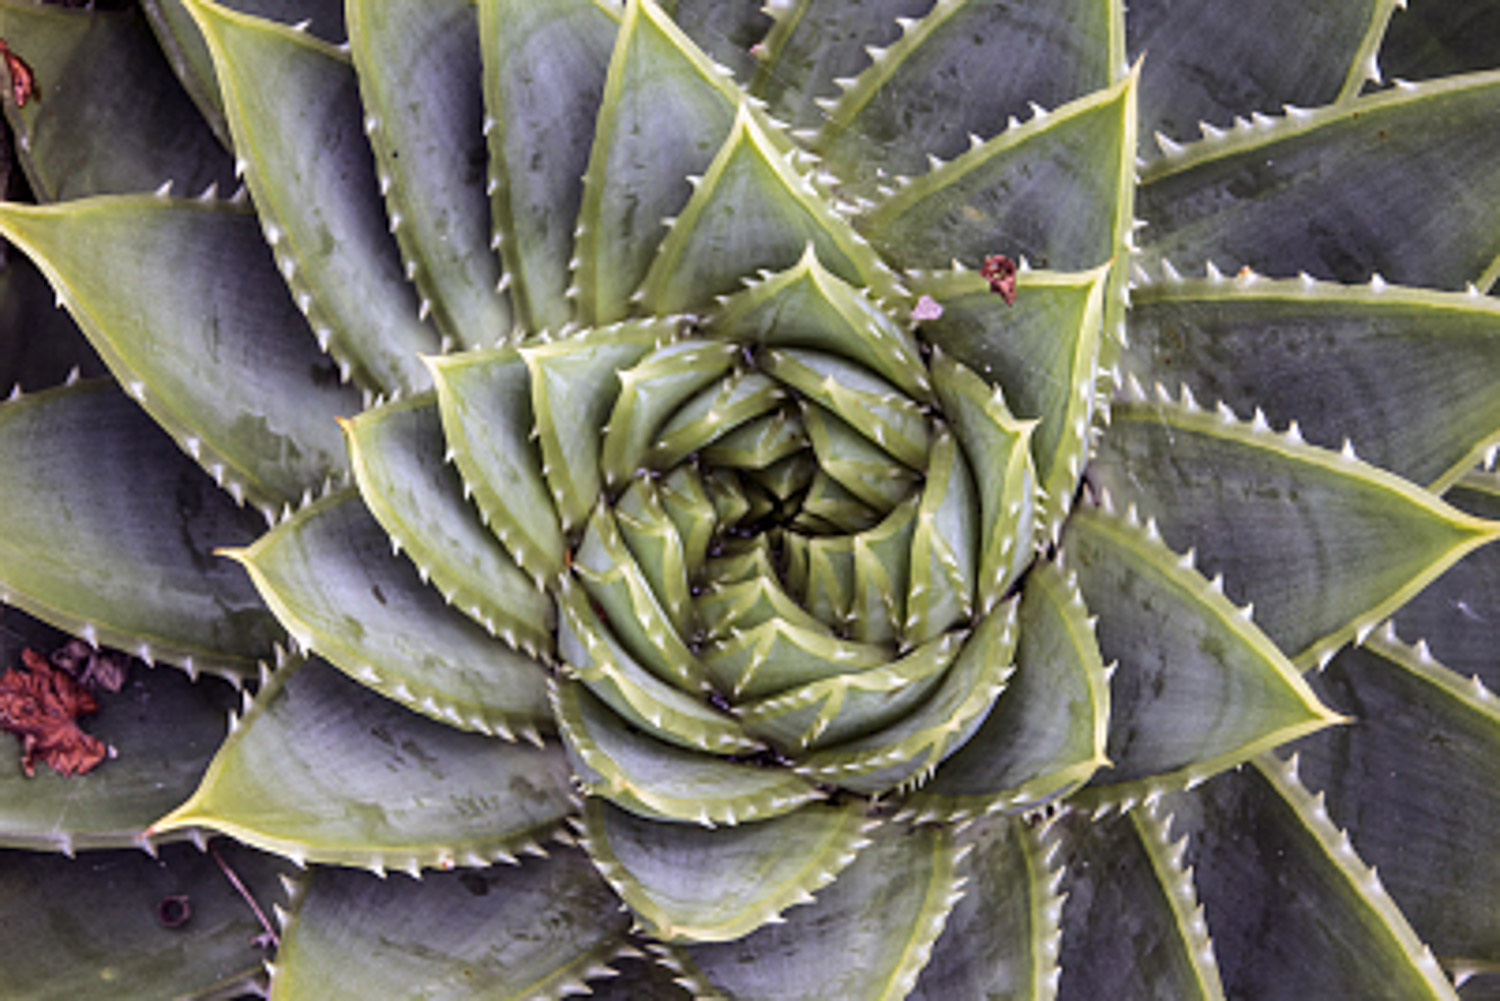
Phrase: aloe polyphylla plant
(698, 554)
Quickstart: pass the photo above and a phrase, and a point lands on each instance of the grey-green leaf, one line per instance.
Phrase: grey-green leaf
(1279, 196)
(330, 575)
(91, 929)
(302, 147)
(183, 302)
(419, 75)
(107, 115)
(321, 769)
(504, 933)
(132, 568)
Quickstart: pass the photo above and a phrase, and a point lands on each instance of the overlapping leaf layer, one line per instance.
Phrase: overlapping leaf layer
(724, 579)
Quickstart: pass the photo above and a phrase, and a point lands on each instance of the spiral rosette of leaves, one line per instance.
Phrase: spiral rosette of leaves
(712, 565)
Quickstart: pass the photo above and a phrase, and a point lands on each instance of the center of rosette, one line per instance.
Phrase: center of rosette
(789, 554)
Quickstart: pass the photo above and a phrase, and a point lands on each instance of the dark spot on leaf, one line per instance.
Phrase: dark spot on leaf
(475, 883)
(174, 911)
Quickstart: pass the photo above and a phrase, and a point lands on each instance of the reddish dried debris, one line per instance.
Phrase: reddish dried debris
(1000, 272)
(91, 668)
(41, 705)
(22, 79)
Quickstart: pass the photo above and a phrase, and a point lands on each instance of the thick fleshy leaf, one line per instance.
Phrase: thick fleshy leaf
(1001, 939)
(132, 568)
(397, 455)
(1427, 40)
(880, 917)
(103, 927)
(650, 393)
(107, 115)
(302, 148)
(184, 304)
(1361, 187)
(419, 77)
(330, 576)
(1130, 926)
(1412, 780)
(1046, 734)
(725, 29)
(665, 112)
(1198, 687)
(1277, 879)
(688, 883)
(1323, 545)
(641, 698)
(1208, 63)
(816, 42)
(151, 769)
(1407, 375)
(997, 447)
(752, 210)
(1454, 612)
(184, 45)
(840, 708)
(807, 306)
(1043, 352)
(945, 546)
(321, 769)
(665, 782)
(868, 404)
(907, 751)
(513, 933)
(484, 398)
(540, 123)
(936, 90)
(1057, 188)
(574, 385)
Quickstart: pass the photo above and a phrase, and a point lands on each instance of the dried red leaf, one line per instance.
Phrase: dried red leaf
(1000, 272)
(41, 705)
(22, 79)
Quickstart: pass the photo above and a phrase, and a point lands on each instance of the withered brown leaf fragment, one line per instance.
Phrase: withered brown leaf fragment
(22, 79)
(41, 705)
(1000, 272)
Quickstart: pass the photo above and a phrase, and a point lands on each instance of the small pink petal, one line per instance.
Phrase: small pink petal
(927, 308)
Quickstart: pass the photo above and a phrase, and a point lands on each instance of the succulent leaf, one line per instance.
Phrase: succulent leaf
(884, 929)
(749, 879)
(323, 770)
(1199, 687)
(309, 169)
(120, 898)
(1252, 497)
(1124, 884)
(1440, 734)
(1312, 351)
(1002, 935)
(419, 77)
(666, 109)
(152, 769)
(1202, 65)
(128, 128)
(397, 455)
(351, 935)
(132, 568)
(330, 576)
(184, 304)
(1031, 183)
(1273, 189)
(1046, 735)
(1260, 879)
(934, 91)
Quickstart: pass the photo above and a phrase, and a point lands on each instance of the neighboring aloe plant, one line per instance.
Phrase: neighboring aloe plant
(865, 633)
